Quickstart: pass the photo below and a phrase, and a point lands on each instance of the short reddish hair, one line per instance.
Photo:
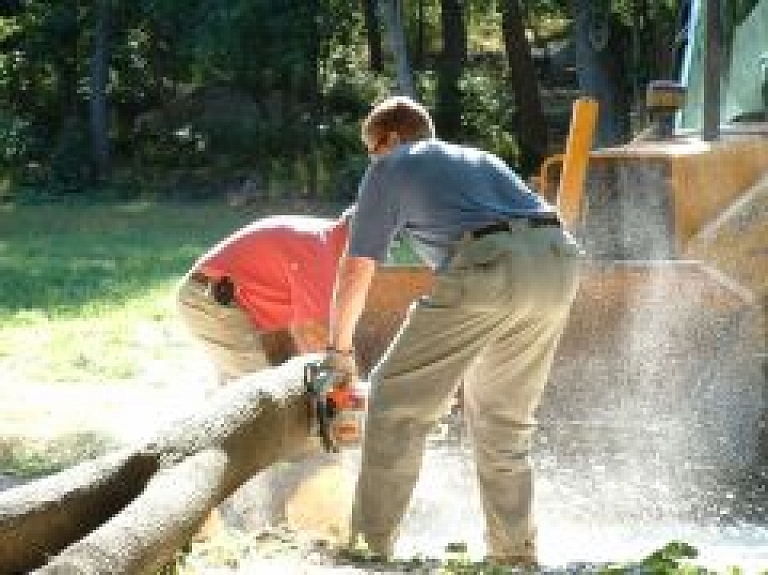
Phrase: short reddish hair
(400, 114)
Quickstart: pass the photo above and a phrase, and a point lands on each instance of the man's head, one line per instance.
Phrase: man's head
(396, 120)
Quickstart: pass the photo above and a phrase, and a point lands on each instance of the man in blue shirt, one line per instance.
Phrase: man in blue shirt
(506, 275)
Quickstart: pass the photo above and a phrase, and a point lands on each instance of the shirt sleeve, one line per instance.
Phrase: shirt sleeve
(376, 219)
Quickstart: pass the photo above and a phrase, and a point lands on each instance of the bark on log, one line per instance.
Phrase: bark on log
(129, 512)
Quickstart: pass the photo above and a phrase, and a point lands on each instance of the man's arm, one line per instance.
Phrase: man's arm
(352, 282)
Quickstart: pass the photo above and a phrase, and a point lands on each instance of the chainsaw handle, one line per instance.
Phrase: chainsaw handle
(324, 426)
(310, 372)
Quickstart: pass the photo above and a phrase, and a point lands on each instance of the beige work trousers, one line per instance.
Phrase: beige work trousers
(226, 332)
(492, 323)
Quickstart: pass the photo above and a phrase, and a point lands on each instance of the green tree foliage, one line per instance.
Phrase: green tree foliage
(271, 92)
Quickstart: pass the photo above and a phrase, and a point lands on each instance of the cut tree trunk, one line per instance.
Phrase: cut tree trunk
(129, 512)
(599, 55)
(531, 122)
(454, 55)
(99, 68)
(373, 35)
(392, 17)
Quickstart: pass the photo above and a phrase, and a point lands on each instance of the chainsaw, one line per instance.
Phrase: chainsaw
(336, 409)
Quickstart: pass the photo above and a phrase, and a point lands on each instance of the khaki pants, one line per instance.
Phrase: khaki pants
(493, 323)
(228, 334)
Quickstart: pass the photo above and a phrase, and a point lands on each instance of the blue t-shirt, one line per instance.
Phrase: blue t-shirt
(432, 192)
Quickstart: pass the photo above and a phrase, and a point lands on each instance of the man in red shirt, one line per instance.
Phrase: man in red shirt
(275, 274)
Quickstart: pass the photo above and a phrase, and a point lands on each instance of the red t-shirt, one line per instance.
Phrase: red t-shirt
(283, 268)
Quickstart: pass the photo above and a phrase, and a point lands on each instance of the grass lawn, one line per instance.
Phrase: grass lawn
(86, 290)
(86, 296)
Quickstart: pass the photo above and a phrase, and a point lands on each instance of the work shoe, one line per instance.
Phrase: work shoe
(359, 550)
(521, 557)
(527, 562)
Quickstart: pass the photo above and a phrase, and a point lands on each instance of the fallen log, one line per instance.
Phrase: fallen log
(129, 512)
(105, 515)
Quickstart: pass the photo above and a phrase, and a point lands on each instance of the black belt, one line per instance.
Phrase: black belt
(544, 221)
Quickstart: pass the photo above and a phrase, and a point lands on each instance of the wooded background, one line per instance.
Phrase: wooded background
(194, 98)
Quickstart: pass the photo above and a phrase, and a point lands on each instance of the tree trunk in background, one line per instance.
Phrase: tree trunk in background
(129, 512)
(449, 106)
(65, 118)
(598, 53)
(617, 60)
(65, 61)
(99, 68)
(420, 58)
(392, 15)
(315, 103)
(10, 8)
(531, 123)
(660, 50)
(373, 33)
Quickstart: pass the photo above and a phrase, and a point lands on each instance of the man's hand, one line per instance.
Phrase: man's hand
(310, 336)
(344, 366)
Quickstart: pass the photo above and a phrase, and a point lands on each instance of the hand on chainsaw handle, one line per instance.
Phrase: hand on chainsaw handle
(343, 364)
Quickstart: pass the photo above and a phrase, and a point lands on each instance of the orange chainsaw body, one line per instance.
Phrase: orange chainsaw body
(337, 410)
(349, 404)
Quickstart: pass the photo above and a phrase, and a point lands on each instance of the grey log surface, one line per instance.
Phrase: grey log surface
(129, 512)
